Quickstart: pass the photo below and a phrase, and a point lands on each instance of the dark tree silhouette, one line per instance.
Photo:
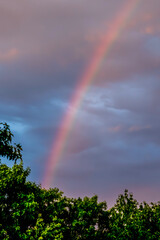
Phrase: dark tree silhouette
(7, 149)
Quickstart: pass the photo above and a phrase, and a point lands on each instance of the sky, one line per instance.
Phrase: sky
(46, 46)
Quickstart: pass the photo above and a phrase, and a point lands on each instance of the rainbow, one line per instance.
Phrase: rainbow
(83, 84)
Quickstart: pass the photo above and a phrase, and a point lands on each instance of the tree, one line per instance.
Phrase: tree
(27, 211)
(87, 219)
(122, 215)
(7, 149)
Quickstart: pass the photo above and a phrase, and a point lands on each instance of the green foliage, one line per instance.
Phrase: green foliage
(41, 230)
(27, 211)
(87, 219)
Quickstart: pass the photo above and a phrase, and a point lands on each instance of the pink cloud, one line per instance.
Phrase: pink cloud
(138, 128)
(115, 129)
(9, 55)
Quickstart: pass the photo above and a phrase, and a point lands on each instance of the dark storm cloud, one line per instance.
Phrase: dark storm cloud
(45, 47)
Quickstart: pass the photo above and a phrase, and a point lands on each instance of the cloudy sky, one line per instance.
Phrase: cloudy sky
(45, 48)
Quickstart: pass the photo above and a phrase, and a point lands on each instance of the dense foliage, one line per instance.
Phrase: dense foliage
(27, 211)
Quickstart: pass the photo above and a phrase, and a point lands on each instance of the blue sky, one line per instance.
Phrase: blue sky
(45, 46)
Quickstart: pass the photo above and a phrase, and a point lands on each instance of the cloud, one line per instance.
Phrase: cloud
(138, 128)
(9, 55)
(46, 47)
(115, 129)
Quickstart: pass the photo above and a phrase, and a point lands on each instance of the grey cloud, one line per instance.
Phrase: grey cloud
(55, 41)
